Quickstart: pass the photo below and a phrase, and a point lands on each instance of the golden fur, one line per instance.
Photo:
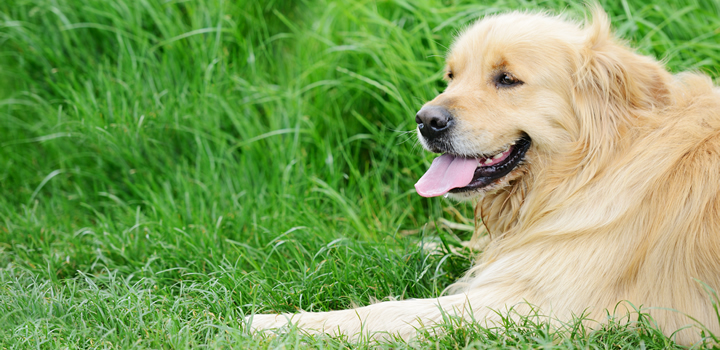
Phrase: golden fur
(617, 199)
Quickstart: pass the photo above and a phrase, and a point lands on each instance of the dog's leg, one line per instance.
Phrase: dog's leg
(380, 320)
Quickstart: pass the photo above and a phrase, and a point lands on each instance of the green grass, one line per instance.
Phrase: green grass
(168, 167)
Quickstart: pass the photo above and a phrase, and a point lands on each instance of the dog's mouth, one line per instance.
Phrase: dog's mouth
(457, 173)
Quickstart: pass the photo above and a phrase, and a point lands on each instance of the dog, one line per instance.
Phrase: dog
(596, 172)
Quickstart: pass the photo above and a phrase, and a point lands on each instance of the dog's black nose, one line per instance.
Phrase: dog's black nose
(433, 121)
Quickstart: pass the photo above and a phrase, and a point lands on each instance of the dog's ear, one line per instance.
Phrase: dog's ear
(612, 83)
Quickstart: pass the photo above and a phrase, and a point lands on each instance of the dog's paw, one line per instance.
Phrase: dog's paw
(265, 321)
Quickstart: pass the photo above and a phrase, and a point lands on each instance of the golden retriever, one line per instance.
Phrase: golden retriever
(594, 169)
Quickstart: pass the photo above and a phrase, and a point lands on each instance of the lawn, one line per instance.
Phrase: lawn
(168, 167)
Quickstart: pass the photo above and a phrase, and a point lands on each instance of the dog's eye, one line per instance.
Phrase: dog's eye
(450, 75)
(506, 80)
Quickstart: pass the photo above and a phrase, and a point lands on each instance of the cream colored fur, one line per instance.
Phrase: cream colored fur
(618, 198)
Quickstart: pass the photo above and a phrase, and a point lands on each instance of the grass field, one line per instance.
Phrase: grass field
(168, 167)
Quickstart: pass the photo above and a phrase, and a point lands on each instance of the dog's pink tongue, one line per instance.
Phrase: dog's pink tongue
(445, 173)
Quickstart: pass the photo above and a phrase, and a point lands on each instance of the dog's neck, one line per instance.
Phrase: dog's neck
(537, 193)
(499, 211)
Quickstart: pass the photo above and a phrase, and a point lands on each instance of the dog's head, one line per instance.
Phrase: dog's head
(524, 89)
